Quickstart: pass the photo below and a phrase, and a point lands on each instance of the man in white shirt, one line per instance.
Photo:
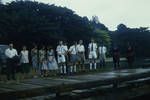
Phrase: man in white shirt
(102, 55)
(92, 54)
(81, 54)
(11, 55)
(73, 57)
(61, 57)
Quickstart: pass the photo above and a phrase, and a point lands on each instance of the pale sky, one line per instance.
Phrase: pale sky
(133, 13)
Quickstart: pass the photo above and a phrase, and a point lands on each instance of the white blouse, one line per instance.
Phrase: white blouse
(24, 56)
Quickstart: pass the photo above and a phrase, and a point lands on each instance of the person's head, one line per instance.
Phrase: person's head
(74, 43)
(43, 47)
(92, 40)
(24, 47)
(80, 41)
(115, 47)
(49, 48)
(101, 43)
(11, 46)
(35, 46)
(60, 42)
(65, 43)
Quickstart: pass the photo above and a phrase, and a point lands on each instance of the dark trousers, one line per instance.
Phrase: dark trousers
(116, 62)
(11, 69)
(102, 62)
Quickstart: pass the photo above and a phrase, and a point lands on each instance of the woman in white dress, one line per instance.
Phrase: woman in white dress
(52, 64)
(44, 68)
(24, 60)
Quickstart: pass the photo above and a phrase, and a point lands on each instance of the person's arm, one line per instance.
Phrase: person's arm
(6, 53)
(96, 48)
(20, 54)
(70, 49)
(66, 50)
(99, 50)
(88, 49)
(16, 53)
(105, 49)
(83, 49)
(57, 50)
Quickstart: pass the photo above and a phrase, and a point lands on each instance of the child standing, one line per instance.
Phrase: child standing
(44, 67)
(52, 64)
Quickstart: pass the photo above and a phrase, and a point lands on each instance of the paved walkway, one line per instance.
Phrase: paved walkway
(33, 87)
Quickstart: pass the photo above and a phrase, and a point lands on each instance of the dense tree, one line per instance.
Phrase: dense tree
(137, 37)
(27, 22)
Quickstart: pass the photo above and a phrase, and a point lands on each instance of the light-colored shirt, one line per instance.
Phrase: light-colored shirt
(102, 50)
(92, 47)
(60, 50)
(66, 48)
(24, 56)
(10, 53)
(80, 48)
(73, 49)
(42, 54)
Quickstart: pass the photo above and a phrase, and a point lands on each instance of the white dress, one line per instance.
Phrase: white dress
(24, 56)
(44, 65)
(52, 64)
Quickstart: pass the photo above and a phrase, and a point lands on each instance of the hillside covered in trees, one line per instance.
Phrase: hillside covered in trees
(27, 22)
(139, 38)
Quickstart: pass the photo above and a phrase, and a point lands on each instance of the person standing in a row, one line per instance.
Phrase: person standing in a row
(61, 51)
(130, 56)
(116, 57)
(52, 64)
(102, 54)
(12, 57)
(81, 55)
(34, 55)
(92, 54)
(73, 58)
(42, 56)
(24, 60)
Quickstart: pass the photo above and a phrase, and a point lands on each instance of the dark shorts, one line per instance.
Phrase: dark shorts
(81, 57)
(73, 58)
(25, 68)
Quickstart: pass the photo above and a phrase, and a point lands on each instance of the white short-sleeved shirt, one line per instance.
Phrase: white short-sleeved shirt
(102, 50)
(92, 46)
(24, 56)
(10, 53)
(66, 48)
(80, 48)
(61, 50)
(73, 49)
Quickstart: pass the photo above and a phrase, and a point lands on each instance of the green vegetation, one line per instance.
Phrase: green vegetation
(28, 23)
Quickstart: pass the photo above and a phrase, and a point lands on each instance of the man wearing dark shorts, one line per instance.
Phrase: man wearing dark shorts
(12, 57)
(73, 57)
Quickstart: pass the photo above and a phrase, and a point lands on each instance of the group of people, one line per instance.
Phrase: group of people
(68, 60)
(129, 56)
